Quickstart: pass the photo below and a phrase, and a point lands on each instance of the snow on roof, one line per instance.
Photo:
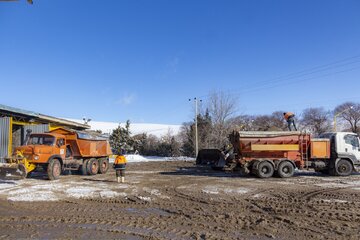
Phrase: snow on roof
(135, 128)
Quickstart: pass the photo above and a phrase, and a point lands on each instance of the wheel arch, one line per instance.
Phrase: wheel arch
(256, 161)
(349, 159)
(58, 157)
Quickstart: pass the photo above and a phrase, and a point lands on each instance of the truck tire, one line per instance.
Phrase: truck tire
(343, 168)
(285, 169)
(54, 169)
(83, 168)
(93, 166)
(264, 169)
(103, 165)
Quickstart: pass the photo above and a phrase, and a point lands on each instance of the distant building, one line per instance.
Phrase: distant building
(15, 122)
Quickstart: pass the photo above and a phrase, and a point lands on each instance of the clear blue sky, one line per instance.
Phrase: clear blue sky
(142, 60)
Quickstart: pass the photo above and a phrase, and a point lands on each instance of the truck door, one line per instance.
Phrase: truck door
(352, 145)
(60, 143)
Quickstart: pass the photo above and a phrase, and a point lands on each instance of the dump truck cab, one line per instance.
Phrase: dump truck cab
(40, 148)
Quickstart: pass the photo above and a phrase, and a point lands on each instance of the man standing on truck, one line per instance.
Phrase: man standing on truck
(289, 117)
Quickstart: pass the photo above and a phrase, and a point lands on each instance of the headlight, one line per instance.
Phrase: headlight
(36, 157)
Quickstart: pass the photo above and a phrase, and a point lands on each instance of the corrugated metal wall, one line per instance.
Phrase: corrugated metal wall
(40, 128)
(4, 137)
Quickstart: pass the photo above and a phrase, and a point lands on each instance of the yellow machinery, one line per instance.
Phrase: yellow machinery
(16, 166)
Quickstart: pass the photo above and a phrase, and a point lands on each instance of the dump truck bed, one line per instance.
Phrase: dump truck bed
(84, 144)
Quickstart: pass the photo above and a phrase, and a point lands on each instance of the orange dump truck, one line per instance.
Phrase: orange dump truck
(64, 149)
(268, 153)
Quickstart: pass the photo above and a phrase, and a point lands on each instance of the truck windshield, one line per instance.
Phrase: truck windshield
(41, 140)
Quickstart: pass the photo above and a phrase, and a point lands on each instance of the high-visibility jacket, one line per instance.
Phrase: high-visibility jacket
(120, 162)
(288, 114)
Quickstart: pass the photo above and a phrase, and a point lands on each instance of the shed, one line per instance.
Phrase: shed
(15, 122)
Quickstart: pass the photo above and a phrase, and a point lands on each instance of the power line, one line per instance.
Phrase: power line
(318, 69)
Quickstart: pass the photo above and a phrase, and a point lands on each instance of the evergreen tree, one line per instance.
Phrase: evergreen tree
(120, 139)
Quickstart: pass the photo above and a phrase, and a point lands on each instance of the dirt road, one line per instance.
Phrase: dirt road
(177, 200)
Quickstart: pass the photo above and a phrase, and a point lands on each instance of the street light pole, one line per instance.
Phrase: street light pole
(337, 114)
(196, 128)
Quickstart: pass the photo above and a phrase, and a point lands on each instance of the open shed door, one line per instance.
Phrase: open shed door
(5, 137)
(38, 128)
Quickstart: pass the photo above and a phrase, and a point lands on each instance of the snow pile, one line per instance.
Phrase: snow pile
(140, 158)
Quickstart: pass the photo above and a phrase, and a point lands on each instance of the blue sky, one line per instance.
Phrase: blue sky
(142, 60)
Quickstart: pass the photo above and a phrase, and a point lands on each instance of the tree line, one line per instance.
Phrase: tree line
(219, 118)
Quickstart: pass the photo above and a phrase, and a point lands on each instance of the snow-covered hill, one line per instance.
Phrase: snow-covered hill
(135, 128)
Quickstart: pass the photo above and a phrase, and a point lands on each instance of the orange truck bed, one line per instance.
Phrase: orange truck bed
(272, 145)
(85, 145)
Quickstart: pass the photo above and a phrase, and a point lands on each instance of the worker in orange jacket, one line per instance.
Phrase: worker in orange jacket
(289, 117)
(119, 166)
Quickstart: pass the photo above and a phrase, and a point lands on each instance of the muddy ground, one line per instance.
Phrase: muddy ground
(177, 200)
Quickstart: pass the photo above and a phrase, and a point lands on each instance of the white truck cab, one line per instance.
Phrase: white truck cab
(347, 144)
(345, 152)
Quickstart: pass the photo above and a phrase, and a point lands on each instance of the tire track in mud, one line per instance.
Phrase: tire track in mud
(300, 206)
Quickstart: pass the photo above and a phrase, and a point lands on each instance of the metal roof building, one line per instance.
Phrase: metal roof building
(15, 122)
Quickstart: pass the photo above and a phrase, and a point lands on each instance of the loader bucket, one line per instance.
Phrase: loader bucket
(210, 157)
(12, 171)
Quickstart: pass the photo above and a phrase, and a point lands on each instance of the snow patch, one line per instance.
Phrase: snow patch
(335, 200)
(258, 195)
(122, 186)
(147, 199)
(30, 195)
(211, 190)
(330, 185)
(155, 192)
(236, 190)
(108, 194)
(81, 192)
(225, 190)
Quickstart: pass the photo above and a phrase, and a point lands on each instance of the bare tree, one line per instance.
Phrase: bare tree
(221, 107)
(316, 120)
(350, 113)
(242, 122)
(273, 122)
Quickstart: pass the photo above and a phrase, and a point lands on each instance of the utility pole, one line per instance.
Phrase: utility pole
(196, 126)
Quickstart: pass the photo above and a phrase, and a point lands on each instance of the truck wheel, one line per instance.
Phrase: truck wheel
(93, 166)
(343, 168)
(83, 168)
(54, 169)
(264, 169)
(285, 169)
(103, 165)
